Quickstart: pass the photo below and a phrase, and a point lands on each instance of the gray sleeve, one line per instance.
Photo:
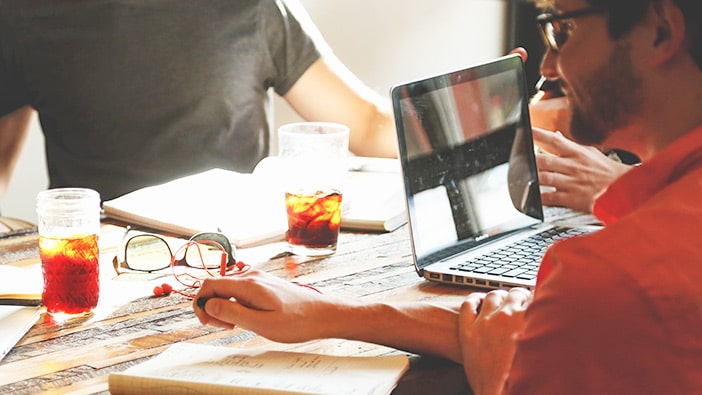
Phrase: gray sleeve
(11, 96)
(289, 43)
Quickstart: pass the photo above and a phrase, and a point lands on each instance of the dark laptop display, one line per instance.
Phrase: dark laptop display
(468, 163)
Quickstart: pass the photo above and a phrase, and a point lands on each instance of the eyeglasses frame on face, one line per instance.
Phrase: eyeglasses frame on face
(197, 239)
(546, 24)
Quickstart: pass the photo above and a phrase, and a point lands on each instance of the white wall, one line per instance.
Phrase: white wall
(383, 42)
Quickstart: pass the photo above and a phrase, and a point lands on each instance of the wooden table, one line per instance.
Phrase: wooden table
(130, 324)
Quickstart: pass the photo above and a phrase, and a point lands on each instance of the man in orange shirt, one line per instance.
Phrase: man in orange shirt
(615, 311)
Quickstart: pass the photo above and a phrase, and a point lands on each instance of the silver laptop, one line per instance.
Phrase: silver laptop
(470, 177)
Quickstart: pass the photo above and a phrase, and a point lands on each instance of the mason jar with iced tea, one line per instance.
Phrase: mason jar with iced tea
(69, 224)
(314, 164)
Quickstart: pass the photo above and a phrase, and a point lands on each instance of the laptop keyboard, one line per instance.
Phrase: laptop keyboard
(518, 260)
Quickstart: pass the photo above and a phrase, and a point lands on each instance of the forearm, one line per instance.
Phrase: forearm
(379, 138)
(329, 92)
(368, 114)
(14, 128)
(420, 328)
(267, 305)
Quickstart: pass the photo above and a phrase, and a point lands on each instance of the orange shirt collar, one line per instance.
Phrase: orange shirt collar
(639, 184)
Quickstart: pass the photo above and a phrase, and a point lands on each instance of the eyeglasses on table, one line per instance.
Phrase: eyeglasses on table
(149, 252)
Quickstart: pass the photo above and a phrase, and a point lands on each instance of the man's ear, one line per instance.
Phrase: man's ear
(662, 34)
(670, 31)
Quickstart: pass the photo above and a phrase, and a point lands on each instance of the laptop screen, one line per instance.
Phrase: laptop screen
(467, 157)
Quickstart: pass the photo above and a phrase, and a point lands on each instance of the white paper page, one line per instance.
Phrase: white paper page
(245, 209)
(20, 282)
(15, 322)
(275, 370)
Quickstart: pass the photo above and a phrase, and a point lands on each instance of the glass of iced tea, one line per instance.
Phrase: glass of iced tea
(314, 162)
(69, 224)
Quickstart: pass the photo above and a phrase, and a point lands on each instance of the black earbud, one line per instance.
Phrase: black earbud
(662, 34)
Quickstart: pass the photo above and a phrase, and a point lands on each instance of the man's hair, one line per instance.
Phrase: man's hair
(624, 14)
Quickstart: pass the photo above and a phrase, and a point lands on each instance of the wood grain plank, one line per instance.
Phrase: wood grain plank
(131, 325)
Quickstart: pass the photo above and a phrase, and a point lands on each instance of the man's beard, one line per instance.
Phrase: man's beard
(607, 101)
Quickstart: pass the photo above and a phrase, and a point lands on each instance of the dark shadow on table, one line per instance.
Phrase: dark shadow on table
(429, 375)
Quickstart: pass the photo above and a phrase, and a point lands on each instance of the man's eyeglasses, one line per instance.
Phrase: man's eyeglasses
(149, 252)
(557, 27)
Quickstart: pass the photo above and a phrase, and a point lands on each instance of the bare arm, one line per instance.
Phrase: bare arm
(328, 92)
(284, 312)
(14, 129)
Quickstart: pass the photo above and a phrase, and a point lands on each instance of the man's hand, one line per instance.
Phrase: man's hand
(270, 306)
(578, 173)
(488, 325)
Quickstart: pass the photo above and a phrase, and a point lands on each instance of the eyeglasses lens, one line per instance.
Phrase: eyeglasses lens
(206, 253)
(549, 32)
(197, 255)
(150, 253)
(147, 253)
(560, 31)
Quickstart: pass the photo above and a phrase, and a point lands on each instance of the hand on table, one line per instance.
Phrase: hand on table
(578, 173)
(263, 303)
(488, 325)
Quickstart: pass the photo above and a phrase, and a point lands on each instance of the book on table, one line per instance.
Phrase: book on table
(21, 286)
(250, 208)
(15, 322)
(196, 368)
(20, 299)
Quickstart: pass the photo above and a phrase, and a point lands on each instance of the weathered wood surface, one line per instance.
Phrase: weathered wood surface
(131, 325)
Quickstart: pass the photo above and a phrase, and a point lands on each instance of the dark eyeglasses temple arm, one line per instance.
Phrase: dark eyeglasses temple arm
(553, 16)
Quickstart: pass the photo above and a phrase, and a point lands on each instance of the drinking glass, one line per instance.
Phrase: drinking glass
(69, 224)
(314, 163)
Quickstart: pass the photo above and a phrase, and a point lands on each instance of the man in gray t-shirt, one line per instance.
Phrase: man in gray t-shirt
(131, 94)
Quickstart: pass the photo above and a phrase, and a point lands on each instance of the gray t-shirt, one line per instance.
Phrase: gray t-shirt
(134, 93)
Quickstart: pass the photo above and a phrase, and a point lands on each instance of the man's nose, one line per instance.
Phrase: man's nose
(548, 65)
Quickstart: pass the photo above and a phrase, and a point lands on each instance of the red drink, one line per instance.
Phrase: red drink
(314, 220)
(70, 266)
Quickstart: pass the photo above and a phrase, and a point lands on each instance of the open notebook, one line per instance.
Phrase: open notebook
(15, 322)
(470, 177)
(20, 299)
(250, 208)
(186, 368)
